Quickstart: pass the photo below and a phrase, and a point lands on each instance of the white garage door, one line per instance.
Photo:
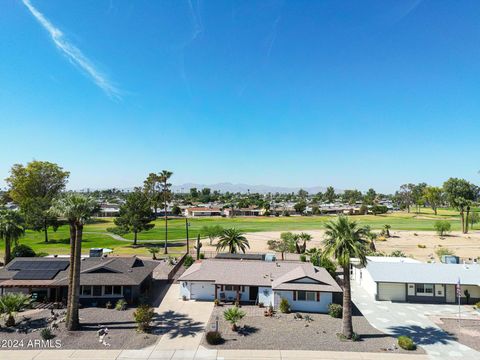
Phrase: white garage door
(202, 291)
(391, 291)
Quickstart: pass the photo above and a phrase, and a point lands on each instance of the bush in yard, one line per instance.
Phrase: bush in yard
(46, 334)
(443, 251)
(284, 306)
(143, 317)
(335, 310)
(214, 338)
(303, 258)
(23, 251)
(406, 343)
(442, 227)
(397, 253)
(188, 261)
(477, 305)
(121, 305)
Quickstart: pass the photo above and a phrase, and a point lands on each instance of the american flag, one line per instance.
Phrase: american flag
(459, 289)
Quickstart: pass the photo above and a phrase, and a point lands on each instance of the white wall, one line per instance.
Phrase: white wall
(197, 290)
(309, 306)
(265, 296)
(364, 279)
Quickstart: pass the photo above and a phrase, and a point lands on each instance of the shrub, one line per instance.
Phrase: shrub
(335, 310)
(443, 251)
(442, 227)
(477, 305)
(202, 256)
(303, 258)
(143, 317)
(23, 251)
(381, 238)
(421, 246)
(46, 334)
(214, 338)
(406, 343)
(121, 305)
(397, 253)
(284, 306)
(216, 302)
(188, 261)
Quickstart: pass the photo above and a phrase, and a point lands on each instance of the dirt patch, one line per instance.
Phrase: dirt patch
(284, 332)
(122, 330)
(463, 245)
(466, 332)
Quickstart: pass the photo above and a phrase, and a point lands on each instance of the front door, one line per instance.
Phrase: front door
(253, 294)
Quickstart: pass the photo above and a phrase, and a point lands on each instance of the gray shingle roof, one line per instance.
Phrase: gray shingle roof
(96, 271)
(282, 275)
(424, 273)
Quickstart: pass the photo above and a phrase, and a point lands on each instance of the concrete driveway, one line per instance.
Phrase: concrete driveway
(182, 323)
(412, 320)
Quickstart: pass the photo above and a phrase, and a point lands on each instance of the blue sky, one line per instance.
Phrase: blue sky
(290, 93)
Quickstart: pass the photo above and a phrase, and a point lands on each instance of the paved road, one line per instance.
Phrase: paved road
(412, 320)
(182, 322)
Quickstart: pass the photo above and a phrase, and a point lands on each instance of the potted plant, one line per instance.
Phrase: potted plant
(260, 304)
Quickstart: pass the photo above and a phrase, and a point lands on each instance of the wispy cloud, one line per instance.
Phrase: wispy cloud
(74, 54)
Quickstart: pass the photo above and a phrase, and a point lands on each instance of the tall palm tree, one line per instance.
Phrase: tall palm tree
(234, 240)
(166, 196)
(344, 240)
(11, 229)
(76, 209)
(304, 237)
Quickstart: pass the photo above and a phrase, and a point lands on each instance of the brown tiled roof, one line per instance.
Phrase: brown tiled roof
(283, 275)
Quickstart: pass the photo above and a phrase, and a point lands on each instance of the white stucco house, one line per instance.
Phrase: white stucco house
(306, 287)
(408, 280)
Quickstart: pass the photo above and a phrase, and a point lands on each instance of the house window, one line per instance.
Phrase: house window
(97, 290)
(108, 290)
(232, 287)
(306, 296)
(117, 290)
(86, 290)
(424, 289)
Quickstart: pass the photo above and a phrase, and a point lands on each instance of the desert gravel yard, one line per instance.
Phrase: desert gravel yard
(466, 333)
(283, 332)
(122, 330)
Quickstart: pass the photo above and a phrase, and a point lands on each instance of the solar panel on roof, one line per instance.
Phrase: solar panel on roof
(39, 265)
(35, 275)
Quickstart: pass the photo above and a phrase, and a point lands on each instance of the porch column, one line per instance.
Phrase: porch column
(238, 294)
(216, 292)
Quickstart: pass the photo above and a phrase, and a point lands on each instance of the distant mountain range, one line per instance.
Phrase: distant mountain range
(244, 188)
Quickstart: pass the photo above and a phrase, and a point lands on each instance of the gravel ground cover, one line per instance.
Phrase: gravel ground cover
(467, 332)
(283, 332)
(122, 330)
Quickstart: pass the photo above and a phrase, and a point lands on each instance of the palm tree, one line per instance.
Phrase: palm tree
(10, 303)
(233, 315)
(11, 229)
(212, 232)
(166, 196)
(77, 209)
(154, 251)
(304, 237)
(234, 240)
(387, 228)
(372, 237)
(344, 240)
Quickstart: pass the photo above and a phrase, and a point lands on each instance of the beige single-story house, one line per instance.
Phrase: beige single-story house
(306, 287)
(202, 211)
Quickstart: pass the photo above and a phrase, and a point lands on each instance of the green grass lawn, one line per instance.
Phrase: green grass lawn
(95, 234)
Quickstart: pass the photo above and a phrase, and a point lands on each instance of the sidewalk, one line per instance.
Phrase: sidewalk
(200, 354)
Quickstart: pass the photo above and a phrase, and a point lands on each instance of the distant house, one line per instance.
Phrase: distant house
(306, 287)
(408, 280)
(102, 279)
(243, 212)
(108, 210)
(202, 211)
